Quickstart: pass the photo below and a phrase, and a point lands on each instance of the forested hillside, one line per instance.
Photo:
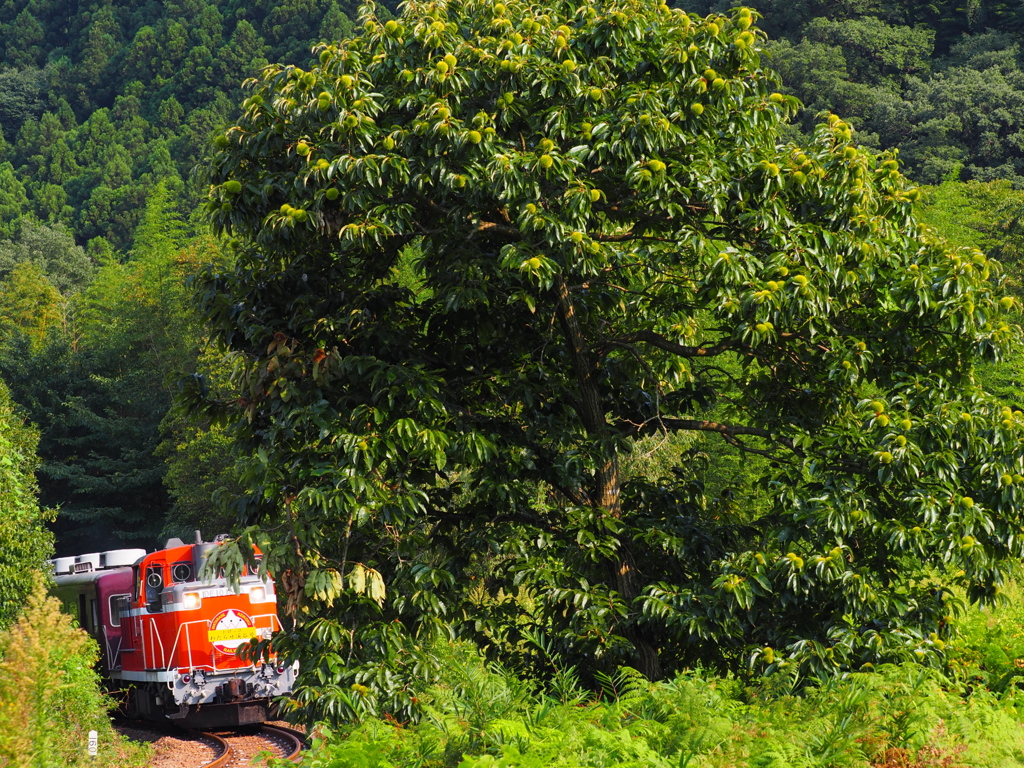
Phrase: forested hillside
(102, 100)
(107, 109)
(940, 81)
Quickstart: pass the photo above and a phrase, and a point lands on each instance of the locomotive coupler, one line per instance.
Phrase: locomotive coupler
(234, 689)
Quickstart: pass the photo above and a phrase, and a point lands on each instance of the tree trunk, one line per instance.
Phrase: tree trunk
(606, 496)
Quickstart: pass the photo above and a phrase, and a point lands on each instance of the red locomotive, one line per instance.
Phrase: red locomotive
(169, 638)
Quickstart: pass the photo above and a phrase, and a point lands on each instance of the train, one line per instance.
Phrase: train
(168, 638)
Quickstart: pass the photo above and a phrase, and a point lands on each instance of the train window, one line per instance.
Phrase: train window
(94, 614)
(82, 615)
(154, 585)
(181, 571)
(117, 604)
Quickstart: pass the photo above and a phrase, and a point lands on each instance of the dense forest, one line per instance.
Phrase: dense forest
(108, 110)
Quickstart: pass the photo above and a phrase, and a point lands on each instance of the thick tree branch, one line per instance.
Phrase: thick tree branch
(659, 341)
(628, 237)
(728, 431)
(494, 228)
(517, 516)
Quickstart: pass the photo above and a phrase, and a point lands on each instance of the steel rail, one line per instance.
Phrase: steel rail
(294, 737)
(294, 740)
(226, 754)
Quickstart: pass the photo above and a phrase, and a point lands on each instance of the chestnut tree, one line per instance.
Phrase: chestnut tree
(485, 248)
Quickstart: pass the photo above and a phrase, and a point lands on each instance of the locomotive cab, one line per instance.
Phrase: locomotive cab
(170, 638)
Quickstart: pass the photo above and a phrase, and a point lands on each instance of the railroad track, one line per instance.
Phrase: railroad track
(237, 748)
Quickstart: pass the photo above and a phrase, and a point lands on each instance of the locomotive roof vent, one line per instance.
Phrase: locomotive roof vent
(85, 563)
(121, 558)
(63, 565)
(96, 561)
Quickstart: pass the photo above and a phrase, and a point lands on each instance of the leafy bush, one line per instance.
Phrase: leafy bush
(50, 695)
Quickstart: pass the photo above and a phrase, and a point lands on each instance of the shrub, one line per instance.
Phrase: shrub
(50, 694)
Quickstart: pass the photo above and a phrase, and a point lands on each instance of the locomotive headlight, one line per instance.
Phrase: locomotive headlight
(257, 595)
(190, 600)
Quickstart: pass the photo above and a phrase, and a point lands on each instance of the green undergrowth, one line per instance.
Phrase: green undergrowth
(892, 717)
(988, 649)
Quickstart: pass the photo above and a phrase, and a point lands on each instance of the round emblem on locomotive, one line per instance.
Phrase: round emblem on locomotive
(229, 629)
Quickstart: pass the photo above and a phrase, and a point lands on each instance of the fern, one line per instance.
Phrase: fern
(627, 687)
(779, 754)
(484, 717)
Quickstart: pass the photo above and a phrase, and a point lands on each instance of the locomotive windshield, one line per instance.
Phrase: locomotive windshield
(181, 571)
(154, 585)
